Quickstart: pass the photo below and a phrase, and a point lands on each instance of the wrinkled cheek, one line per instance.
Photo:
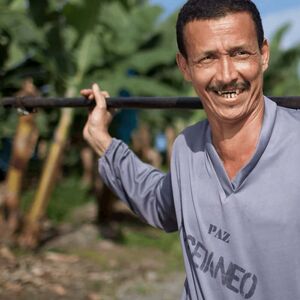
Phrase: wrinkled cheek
(250, 70)
(202, 76)
(200, 88)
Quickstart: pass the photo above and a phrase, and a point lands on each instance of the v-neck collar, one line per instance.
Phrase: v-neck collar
(228, 186)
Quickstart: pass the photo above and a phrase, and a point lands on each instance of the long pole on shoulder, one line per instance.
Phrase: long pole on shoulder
(31, 103)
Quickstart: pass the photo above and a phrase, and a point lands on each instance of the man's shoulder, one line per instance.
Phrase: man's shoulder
(193, 137)
(288, 116)
(284, 115)
(287, 123)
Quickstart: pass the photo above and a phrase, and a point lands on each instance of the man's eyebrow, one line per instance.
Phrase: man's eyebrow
(209, 53)
(238, 48)
(243, 48)
(216, 52)
(205, 54)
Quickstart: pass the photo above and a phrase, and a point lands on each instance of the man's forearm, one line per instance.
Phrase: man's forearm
(146, 190)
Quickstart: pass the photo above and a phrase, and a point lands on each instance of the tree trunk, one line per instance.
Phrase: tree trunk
(32, 228)
(23, 146)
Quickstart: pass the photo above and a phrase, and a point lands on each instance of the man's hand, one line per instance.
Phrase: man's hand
(95, 131)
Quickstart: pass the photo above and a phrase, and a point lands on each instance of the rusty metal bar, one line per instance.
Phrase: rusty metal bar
(29, 103)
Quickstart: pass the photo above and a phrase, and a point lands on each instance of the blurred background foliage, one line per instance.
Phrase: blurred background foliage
(282, 76)
(124, 45)
(62, 44)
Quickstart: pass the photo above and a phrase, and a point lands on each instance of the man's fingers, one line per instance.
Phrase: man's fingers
(95, 131)
(105, 94)
(90, 93)
(86, 92)
(99, 97)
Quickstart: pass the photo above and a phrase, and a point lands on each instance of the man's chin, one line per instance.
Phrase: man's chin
(231, 115)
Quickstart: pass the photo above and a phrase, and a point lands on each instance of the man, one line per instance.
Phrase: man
(233, 189)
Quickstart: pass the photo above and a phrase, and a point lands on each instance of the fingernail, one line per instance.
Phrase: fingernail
(95, 85)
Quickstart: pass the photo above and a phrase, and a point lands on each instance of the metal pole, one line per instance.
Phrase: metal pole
(29, 103)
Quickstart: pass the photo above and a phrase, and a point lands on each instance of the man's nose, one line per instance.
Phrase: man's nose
(226, 71)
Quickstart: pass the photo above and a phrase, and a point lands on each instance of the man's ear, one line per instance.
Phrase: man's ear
(265, 52)
(183, 66)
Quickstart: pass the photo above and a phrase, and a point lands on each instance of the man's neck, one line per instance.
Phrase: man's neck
(236, 142)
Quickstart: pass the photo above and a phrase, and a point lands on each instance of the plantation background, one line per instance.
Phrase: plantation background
(48, 174)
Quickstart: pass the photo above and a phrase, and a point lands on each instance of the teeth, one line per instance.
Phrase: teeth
(229, 94)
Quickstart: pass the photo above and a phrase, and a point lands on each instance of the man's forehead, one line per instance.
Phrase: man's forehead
(238, 26)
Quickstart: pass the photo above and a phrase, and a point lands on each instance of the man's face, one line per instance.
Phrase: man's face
(225, 65)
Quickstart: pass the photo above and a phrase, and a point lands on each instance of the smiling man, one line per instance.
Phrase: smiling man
(225, 62)
(233, 188)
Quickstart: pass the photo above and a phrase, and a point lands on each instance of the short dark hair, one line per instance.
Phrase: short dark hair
(194, 10)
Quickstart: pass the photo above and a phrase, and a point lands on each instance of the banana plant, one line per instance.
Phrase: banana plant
(70, 44)
(17, 33)
(68, 55)
(282, 77)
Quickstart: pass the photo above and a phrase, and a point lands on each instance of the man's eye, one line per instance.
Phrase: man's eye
(241, 54)
(206, 59)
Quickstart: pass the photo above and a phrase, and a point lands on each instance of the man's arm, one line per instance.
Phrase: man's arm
(146, 190)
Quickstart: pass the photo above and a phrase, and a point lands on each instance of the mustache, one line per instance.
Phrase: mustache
(244, 85)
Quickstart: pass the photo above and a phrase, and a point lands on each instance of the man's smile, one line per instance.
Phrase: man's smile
(230, 91)
(229, 94)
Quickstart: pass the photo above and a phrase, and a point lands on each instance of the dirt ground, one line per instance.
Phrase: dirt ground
(79, 265)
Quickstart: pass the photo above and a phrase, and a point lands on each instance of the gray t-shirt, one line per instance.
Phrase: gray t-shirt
(240, 239)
